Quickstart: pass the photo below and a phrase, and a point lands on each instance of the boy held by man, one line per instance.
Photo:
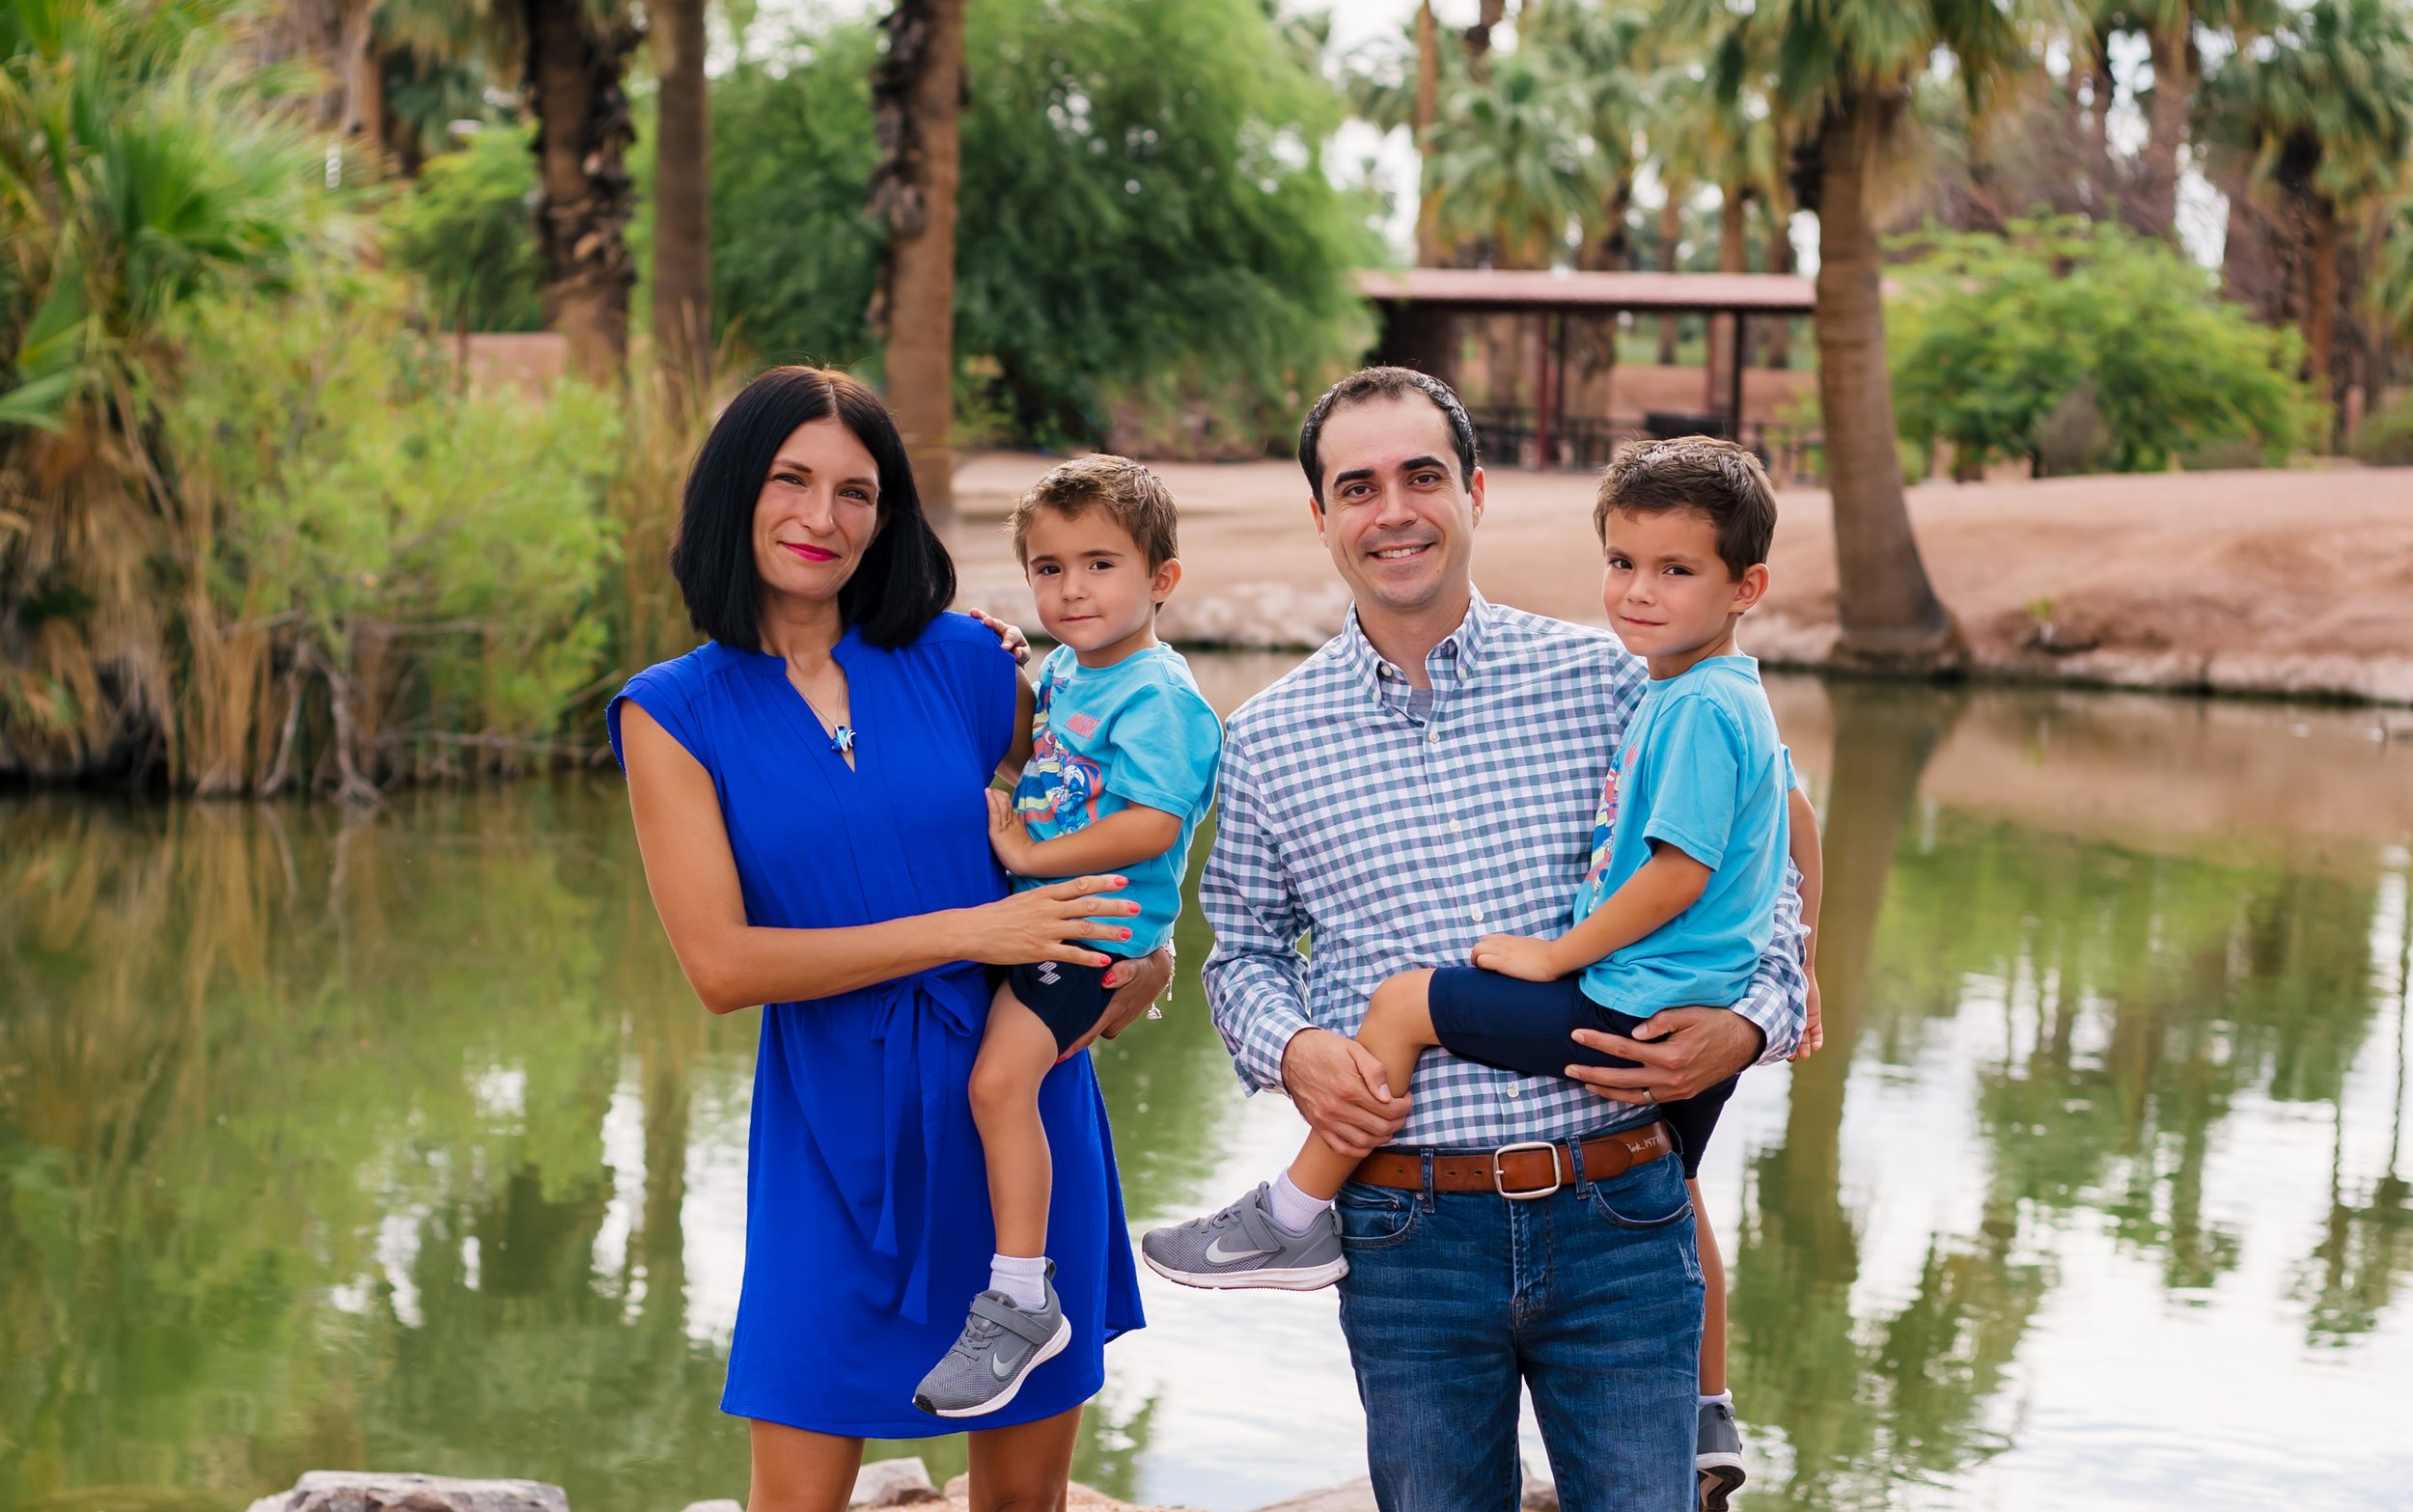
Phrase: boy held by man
(1121, 769)
(1689, 853)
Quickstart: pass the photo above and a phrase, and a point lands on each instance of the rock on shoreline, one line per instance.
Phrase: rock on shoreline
(882, 1483)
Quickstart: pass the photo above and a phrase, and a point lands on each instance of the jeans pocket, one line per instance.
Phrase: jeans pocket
(1650, 1197)
(1374, 1218)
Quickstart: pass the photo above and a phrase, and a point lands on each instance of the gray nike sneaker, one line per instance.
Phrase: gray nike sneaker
(1242, 1246)
(1001, 1344)
(1718, 1456)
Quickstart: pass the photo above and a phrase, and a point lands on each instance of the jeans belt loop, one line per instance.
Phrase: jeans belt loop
(1575, 1157)
(1425, 1198)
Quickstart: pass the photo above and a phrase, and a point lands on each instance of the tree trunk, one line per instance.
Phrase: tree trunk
(363, 84)
(2321, 306)
(1890, 615)
(2099, 134)
(1781, 258)
(584, 196)
(917, 104)
(1719, 357)
(1478, 38)
(682, 199)
(1671, 235)
(1431, 251)
(1611, 249)
(2153, 208)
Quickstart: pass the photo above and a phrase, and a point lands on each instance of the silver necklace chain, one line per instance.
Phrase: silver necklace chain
(840, 733)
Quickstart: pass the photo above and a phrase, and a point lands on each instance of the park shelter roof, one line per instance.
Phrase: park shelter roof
(1558, 290)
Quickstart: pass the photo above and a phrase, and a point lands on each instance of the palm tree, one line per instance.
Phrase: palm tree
(1514, 172)
(682, 195)
(1602, 51)
(1705, 133)
(142, 165)
(1513, 164)
(1846, 68)
(2170, 29)
(2389, 292)
(573, 57)
(1430, 250)
(2327, 109)
(916, 102)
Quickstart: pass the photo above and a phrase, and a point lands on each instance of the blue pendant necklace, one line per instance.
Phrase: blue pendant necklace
(840, 733)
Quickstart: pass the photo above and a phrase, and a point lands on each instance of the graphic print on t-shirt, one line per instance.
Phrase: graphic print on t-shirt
(1058, 782)
(1605, 821)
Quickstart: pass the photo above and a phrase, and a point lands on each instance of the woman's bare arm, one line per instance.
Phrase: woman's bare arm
(1018, 754)
(732, 965)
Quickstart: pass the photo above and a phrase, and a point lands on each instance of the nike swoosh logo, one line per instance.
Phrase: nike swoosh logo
(1002, 1367)
(1217, 1254)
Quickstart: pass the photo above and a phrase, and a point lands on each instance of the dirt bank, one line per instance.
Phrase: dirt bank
(2297, 583)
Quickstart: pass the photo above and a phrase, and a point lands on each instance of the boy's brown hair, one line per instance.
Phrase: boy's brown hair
(1715, 479)
(1133, 497)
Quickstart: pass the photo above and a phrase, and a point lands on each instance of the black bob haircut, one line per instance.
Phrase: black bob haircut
(1367, 384)
(906, 577)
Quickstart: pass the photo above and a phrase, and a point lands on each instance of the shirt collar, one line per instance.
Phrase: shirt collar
(1452, 661)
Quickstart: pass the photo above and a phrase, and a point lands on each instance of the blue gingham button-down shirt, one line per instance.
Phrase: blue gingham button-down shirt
(1391, 829)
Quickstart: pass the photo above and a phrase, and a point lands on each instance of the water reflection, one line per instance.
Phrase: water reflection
(329, 1142)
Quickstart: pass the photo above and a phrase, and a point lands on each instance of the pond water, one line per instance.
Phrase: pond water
(330, 1142)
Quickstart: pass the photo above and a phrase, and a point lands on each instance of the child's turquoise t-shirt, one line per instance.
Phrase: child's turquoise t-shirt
(1701, 769)
(1105, 738)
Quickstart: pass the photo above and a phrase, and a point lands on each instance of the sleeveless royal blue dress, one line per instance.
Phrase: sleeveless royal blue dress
(867, 1228)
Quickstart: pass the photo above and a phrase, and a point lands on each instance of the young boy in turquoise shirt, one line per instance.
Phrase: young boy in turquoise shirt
(1124, 750)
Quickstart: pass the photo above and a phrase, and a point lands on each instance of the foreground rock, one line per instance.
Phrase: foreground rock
(892, 1483)
(1358, 1496)
(1078, 1499)
(372, 1491)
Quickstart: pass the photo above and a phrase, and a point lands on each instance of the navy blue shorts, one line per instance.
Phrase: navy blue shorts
(1525, 1026)
(1070, 999)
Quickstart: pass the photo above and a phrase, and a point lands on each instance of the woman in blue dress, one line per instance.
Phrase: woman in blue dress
(808, 789)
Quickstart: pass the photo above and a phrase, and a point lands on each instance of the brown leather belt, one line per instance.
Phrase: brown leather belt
(1518, 1172)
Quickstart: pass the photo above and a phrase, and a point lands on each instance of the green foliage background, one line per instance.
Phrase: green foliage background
(1991, 336)
(1144, 215)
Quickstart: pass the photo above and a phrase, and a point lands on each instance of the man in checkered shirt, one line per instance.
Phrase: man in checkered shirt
(1427, 778)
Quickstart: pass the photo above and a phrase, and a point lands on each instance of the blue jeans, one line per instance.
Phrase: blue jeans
(1590, 1297)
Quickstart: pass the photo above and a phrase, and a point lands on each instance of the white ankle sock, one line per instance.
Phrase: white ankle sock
(1722, 1399)
(1023, 1278)
(1291, 1207)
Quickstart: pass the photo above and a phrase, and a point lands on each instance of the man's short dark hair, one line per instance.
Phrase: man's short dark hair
(1367, 384)
(1715, 479)
(905, 576)
(1131, 496)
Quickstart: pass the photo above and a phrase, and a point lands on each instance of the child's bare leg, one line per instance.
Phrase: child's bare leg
(1398, 1029)
(1016, 1053)
(1713, 1300)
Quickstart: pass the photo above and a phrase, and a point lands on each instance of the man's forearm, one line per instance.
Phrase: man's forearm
(1259, 1008)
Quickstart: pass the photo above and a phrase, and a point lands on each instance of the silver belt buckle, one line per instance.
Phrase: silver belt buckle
(1499, 1179)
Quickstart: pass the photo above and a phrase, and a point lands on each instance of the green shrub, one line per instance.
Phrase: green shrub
(2385, 438)
(1145, 216)
(1997, 344)
(465, 228)
(418, 564)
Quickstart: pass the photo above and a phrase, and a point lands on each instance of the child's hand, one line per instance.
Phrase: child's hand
(1010, 636)
(1516, 955)
(1813, 1033)
(1007, 836)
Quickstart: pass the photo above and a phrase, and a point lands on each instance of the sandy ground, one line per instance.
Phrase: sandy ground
(2294, 582)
